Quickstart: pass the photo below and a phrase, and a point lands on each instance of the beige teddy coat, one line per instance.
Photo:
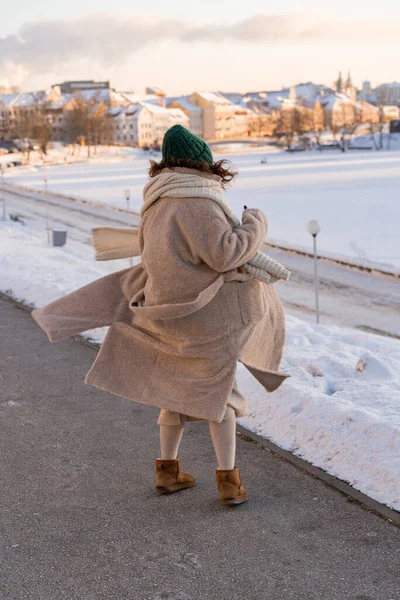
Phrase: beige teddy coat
(181, 319)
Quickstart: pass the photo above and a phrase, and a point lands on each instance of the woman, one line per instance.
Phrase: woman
(182, 319)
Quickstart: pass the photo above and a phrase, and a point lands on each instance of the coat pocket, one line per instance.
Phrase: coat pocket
(252, 301)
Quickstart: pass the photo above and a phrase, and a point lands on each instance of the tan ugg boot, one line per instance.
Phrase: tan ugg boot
(231, 491)
(170, 479)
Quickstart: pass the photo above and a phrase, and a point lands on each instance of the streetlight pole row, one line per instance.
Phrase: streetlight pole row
(314, 228)
(2, 191)
(127, 194)
(45, 180)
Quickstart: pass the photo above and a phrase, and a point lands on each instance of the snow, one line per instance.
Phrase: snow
(185, 103)
(214, 98)
(340, 410)
(353, 195)
(176, 115)
(155, 108)
(7, 99)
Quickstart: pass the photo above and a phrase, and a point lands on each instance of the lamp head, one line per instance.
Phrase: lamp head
(313, 227)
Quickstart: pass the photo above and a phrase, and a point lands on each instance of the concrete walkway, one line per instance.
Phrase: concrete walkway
(80, 519)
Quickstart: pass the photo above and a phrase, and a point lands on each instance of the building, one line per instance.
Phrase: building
(142, 124)
(178, 117)
(130, 125)
(367, 112)
(389, 113)
(388, 94)
(367, 93)
(339, 111)
(5, 114)
(71, 87)
(194, 113)
(218, 115)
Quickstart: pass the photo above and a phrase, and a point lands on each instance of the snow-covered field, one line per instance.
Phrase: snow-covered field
(353, 195)
(340, 409)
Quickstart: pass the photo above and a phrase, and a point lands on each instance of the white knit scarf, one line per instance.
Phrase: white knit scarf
(174, 184)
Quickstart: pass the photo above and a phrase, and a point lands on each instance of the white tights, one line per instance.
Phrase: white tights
(223, 436)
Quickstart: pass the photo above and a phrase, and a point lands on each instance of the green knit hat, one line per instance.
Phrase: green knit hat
(179, 142)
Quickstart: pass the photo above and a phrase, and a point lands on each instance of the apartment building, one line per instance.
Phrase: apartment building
(142, 124)
(5, 114)
(218, 115)
(130, 125)
(388, 94)
(193, 112)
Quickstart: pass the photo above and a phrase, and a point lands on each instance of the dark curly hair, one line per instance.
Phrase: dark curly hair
(221, 168)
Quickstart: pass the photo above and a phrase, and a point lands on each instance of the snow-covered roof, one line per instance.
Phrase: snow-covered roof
(6, 99)
(137, 98)
(258, 108)
(123, 111)
(176, 114)
(272, 100)
(214, 97)
(185, 103)
(114, 111)
(105, 95)
(155, 108)
(236, 99)
(328, 101)
(25, 99)
(60, 102)
(116, 97)
(310, 90)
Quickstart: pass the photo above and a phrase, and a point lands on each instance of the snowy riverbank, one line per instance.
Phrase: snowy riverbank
(340, 410)
(353, 195)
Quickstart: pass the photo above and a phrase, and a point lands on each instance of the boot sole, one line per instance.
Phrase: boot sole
(161, 491)
(234, 501)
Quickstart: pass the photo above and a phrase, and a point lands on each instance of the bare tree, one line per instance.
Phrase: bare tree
(88, 123)
(31, 125)
(21, 128)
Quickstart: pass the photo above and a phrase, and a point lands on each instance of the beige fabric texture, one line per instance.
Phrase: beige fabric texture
(181, 319)
(112, 243)
(237, 405)
(184, 183)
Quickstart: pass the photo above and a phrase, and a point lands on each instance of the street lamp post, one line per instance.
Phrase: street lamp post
(127, 193)
(2, 191)
(314, 228)
(45, 180)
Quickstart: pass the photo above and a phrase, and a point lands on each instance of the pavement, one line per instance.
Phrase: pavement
(80, 519)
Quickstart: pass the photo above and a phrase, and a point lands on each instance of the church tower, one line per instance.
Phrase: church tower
(350, 89)
(339, 83)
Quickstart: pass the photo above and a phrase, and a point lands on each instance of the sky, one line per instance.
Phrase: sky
(182, 45)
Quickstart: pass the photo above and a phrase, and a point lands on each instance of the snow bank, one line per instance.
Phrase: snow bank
(340, 410)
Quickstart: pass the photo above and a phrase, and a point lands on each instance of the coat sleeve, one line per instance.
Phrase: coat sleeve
(212, 239)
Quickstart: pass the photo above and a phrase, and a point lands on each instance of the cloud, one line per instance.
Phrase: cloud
(47, 46)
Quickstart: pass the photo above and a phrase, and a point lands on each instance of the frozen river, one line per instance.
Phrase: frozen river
(355, 196)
